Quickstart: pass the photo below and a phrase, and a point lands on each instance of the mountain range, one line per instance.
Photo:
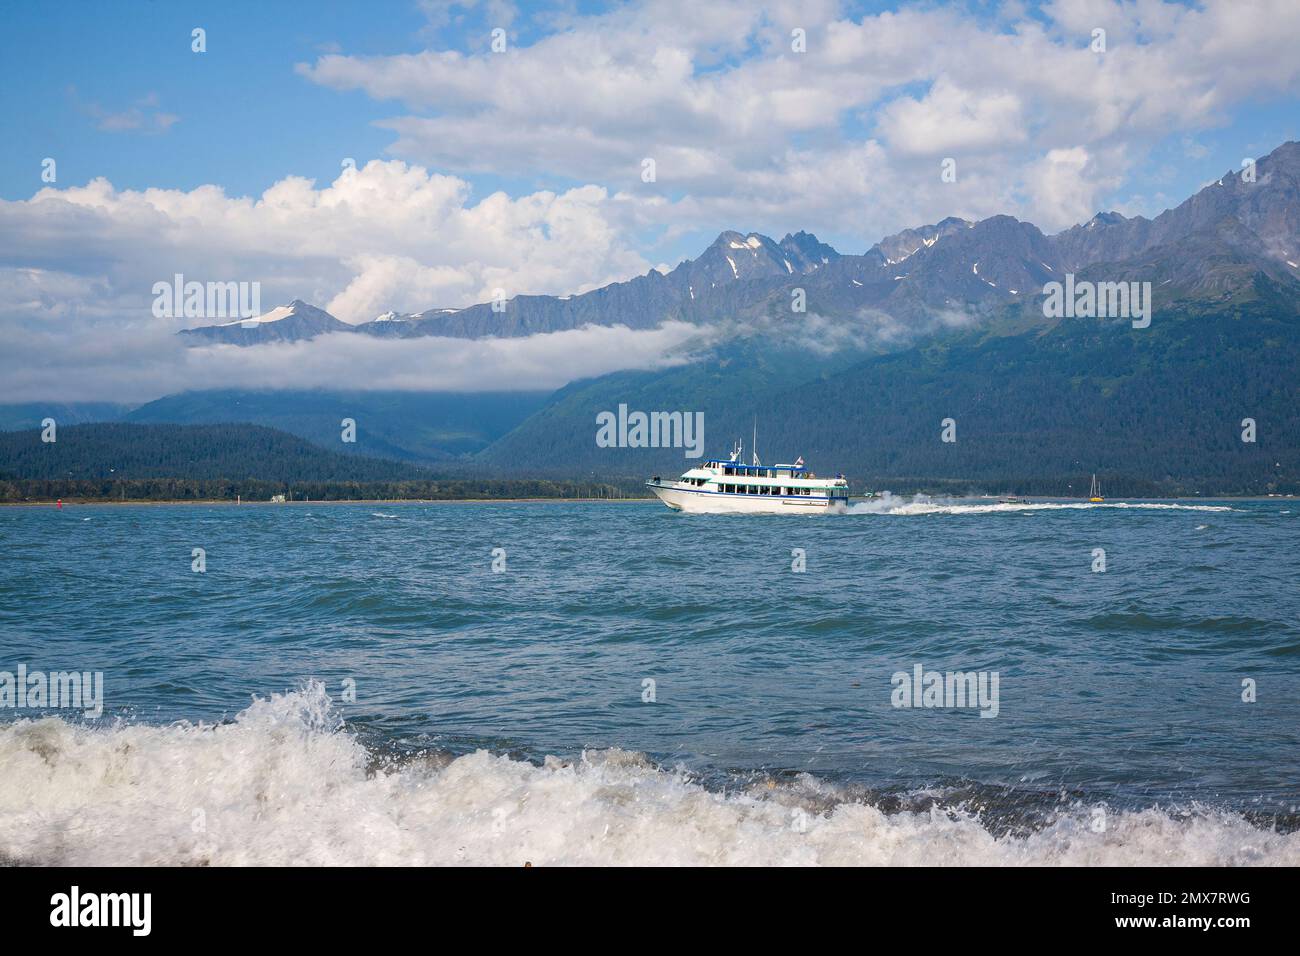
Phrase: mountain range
(936, 322)
(1247, 221)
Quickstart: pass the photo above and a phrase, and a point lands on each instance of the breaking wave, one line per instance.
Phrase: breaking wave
(287, 783)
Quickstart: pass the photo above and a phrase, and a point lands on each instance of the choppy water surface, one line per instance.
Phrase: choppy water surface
(500, 716)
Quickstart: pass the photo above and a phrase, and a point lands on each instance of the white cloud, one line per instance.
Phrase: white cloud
(1063, 186)
(43, 364)
(398, 283)
(950, 119)
(760, 132)
(385, 236)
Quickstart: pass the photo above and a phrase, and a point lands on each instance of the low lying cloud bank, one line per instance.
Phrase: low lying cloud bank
(40, 364)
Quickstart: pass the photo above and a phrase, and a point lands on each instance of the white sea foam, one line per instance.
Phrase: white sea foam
(286, 784)
(889, 504)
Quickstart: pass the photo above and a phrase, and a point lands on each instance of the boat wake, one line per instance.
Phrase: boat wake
(889, 504)
(286, 783)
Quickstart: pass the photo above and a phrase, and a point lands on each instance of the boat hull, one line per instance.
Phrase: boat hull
(704, 502)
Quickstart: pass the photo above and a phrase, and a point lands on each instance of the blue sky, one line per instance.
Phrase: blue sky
(245, 118)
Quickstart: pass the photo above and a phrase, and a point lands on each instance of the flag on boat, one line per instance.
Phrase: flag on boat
(799, 462)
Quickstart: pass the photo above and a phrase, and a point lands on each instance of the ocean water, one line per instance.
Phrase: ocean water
(356, 684)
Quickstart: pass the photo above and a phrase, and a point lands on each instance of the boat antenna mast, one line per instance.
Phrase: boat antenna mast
(754, 446)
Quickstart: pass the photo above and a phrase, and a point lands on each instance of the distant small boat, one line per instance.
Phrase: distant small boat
(1013, 500)
(1095, 493)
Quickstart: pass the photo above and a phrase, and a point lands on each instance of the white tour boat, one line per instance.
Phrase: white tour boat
(729, 486)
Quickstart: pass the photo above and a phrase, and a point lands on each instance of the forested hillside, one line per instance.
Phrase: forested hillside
(128, 451)
(1038, 409)
(413, 426)
(118, 461)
